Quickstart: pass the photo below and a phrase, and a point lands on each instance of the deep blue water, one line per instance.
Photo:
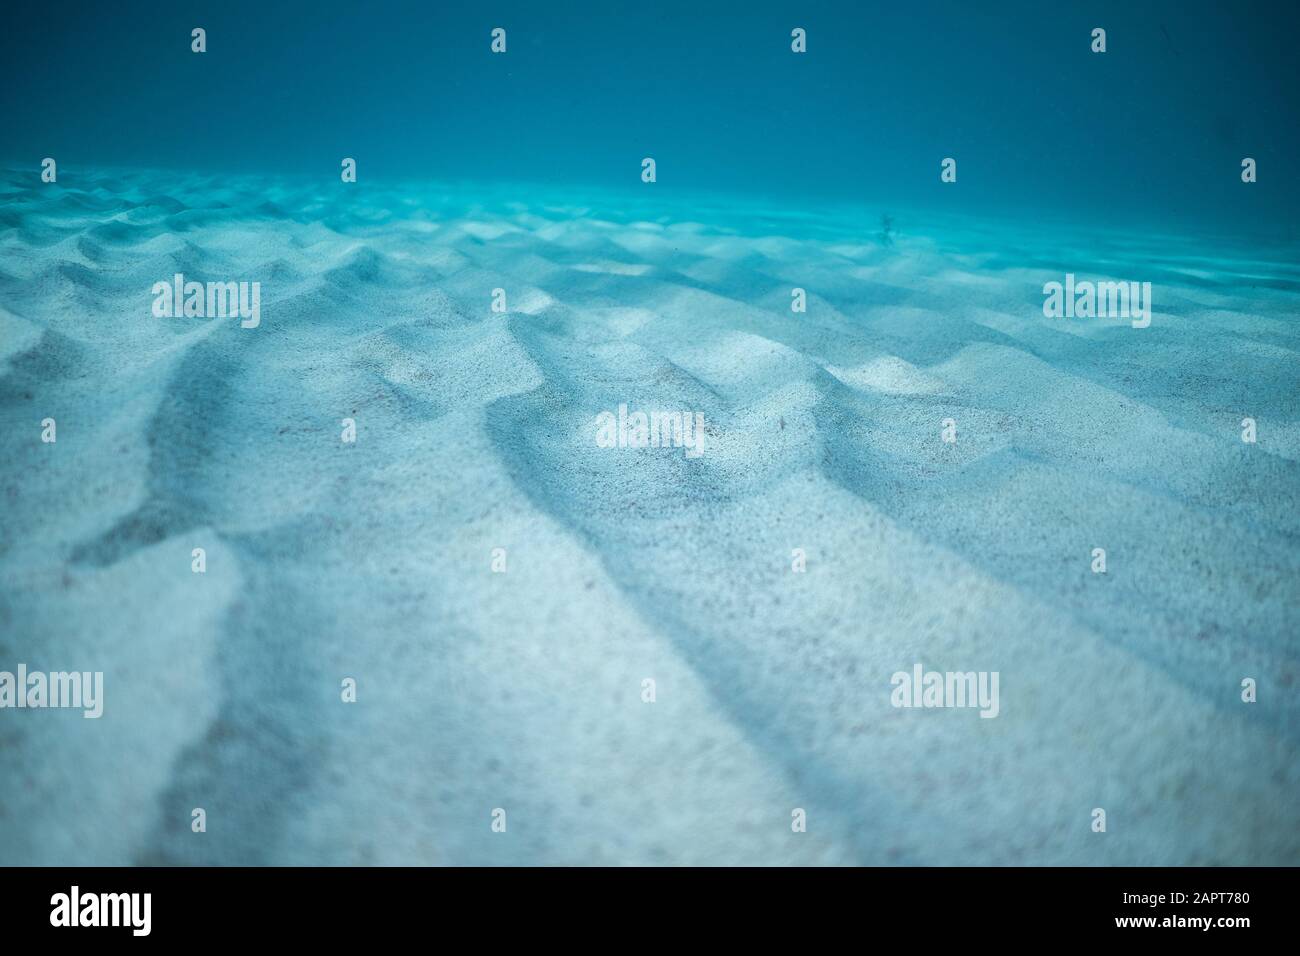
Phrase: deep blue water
(1152, 132)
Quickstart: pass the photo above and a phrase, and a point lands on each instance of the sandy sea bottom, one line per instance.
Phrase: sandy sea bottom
(475, 431)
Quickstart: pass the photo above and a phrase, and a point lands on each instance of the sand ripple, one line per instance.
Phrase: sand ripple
(475, 431)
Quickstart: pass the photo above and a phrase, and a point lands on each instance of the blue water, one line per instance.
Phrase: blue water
(521, 686)
(1152, 131)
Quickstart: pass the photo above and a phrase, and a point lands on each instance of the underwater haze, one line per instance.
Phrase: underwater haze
(1141, 134)
(960, 348)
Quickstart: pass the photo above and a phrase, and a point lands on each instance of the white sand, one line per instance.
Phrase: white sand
(476, 431)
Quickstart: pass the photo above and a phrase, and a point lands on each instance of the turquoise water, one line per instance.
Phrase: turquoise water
(1150, 134)
(394, 473)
